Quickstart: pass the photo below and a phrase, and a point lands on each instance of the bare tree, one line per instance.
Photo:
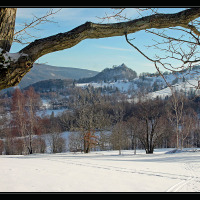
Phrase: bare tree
(14, 66)
(196, 135)
(1, 147)
(133, 129)
(118, 136)
(4, 119)
(188, 125)
(24, 115)
(32, 105)
(38, 145)
(75, 142)
(23, 35)
(175, 114)
(19, 116)
(86, 117)
(151, 123)
(56, 141)
(90, 116)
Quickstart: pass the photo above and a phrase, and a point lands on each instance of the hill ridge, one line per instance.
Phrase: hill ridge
(41, 72)
(115, 73)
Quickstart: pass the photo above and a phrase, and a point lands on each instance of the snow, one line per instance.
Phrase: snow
(49, 112)
(10, 57)
(46, 109)
(185, 87)
(191, 83)
(102, 171)
(122, 85)
(167, 170)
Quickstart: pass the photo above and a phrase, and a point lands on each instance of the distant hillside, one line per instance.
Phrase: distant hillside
(41, 72)
(115, 73)
(186, 81)
(51, 85)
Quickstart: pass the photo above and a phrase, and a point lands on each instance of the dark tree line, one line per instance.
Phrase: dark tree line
(99, 121)
(116, 123)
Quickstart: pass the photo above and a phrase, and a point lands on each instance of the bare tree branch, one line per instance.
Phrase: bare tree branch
(91, 30)
(12, 70)
(33, 24)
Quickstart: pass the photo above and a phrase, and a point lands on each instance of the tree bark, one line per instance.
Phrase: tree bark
(12, 74)
(7, 26)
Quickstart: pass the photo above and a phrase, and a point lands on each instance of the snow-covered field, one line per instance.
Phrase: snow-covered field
(102, 171)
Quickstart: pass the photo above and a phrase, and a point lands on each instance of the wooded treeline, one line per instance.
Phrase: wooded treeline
(98, 122)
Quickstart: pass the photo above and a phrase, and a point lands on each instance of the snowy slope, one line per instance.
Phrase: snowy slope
(185, 81)
(122, 85)
(101, 172)
(185, 87)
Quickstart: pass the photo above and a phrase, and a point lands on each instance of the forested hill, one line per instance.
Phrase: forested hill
(41, 72)
(115, 73)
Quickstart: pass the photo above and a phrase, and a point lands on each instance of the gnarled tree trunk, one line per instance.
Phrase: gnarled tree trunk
(12, 66)
(7, 27)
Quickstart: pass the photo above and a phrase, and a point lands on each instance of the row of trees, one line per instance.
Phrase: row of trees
(114, 122)
(24, 119)
(22, 128)
(99, 121)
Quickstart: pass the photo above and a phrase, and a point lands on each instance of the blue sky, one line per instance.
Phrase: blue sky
(93, 54)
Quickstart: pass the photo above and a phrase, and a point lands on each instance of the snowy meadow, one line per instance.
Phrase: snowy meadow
(102, 171)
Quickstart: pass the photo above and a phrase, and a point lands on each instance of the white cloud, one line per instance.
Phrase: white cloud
(114, 48)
